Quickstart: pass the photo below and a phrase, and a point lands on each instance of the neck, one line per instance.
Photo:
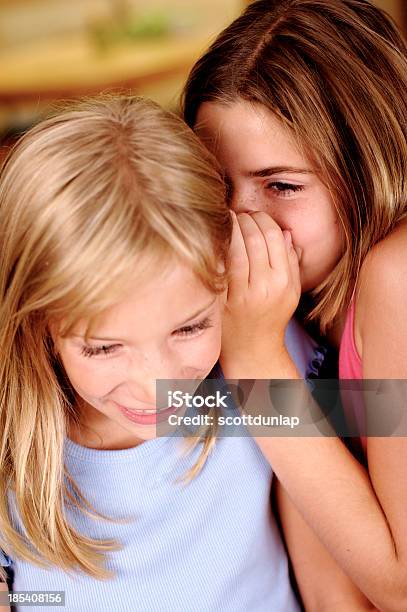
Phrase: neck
(95, 430)
(334, 333)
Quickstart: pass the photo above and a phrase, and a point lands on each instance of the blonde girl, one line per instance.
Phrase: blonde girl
(114, 233)
(304, 103)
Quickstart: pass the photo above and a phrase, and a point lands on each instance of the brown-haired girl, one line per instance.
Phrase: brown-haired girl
(304, 103)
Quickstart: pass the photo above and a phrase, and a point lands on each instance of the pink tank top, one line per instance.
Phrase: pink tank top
(350, 364)
(350, 367)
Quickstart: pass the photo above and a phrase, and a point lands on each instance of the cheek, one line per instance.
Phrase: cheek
(305, 232)
(91, 379)
(211, 350)
(297, 220)
(200, 357)
(312, 227)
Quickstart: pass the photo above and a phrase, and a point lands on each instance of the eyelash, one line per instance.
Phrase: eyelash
(188, 330)
(90, 351)
(283, 189)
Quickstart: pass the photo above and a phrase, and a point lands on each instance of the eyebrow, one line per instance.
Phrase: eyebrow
(200, 311)
(196, 314)
(277, 170)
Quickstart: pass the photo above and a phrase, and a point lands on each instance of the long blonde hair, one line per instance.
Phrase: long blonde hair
(335, 73)
(84, 197)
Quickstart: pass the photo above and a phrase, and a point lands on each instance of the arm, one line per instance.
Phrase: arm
(382, 304)
(324, 587)
(358, 524)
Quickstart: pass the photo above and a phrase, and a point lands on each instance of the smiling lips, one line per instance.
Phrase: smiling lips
(147, 417)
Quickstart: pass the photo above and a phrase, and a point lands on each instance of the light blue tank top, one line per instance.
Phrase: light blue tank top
(211, 545)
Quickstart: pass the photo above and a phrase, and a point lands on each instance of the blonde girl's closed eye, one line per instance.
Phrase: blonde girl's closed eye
(318, 88)
(184, 332)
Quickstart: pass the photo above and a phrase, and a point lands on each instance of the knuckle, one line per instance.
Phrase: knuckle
(283, 282)
(253, 239)
(273, 233)
(263, 291)
(240, 302)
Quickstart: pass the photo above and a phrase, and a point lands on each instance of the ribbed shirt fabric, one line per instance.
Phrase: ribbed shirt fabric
(211, 545)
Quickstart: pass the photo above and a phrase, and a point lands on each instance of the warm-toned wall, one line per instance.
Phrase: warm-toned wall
(396, 8)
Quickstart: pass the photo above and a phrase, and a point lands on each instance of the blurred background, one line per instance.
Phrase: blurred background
(58, 49)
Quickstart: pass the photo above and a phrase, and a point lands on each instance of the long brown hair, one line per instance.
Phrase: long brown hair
(335, 73)
(86, 197)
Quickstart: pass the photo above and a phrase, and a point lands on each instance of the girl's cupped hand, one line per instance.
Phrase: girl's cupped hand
(263, 293)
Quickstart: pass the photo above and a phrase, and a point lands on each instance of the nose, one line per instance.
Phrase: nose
(243, 201)
(145, 371)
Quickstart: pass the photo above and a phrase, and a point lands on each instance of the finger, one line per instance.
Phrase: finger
(298, 250)
(238, 261)
(274, 239)
(294, 257)
(256, 248)
(288, 240)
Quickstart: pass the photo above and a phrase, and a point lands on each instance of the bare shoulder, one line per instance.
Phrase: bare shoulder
(385, 268)
(387, 259)
(381, 301)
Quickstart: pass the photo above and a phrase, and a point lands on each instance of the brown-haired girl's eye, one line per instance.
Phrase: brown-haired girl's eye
(282, 188)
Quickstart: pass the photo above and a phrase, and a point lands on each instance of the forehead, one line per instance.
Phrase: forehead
(151, 305)
(246, 136)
